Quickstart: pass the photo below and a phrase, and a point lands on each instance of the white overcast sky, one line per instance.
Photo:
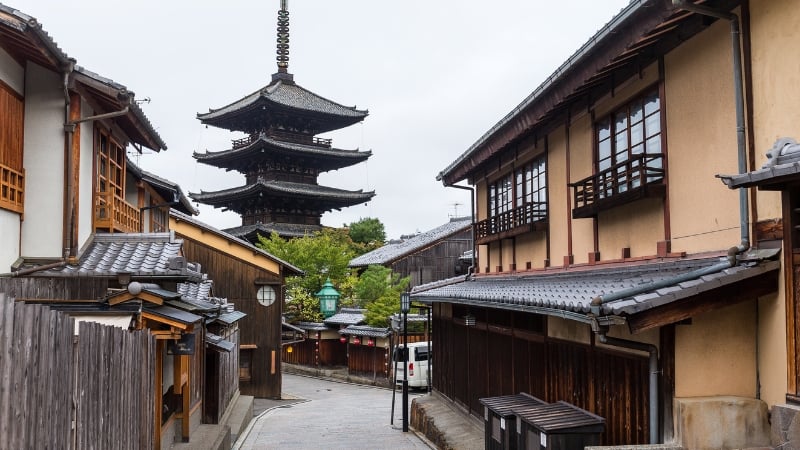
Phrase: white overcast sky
(435, 75)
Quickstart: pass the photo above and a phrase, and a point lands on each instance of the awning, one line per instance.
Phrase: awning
(230, 318)
(215, 342)
(170, 314)
(658, 293)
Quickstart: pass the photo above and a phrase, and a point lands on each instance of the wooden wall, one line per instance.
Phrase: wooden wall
(436, 262)
(237, 281)
(504, 354)
(371, 362)
(11, 127)
(109, 372)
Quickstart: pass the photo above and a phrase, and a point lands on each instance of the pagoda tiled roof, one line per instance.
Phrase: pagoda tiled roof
(334, 198)
(241, 157)
(250, 233)
(283, 96)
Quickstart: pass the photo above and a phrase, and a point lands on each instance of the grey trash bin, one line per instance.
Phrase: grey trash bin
(500, 424)
(557, 426)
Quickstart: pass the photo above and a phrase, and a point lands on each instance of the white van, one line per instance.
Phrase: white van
(419, 364)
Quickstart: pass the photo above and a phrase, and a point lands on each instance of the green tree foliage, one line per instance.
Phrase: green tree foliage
(323, 255)
(367, 234)
(379, 289)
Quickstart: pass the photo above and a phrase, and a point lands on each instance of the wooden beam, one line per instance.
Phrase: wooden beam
(748, 289)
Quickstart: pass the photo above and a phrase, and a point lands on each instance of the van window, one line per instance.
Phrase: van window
(398, 354)
(421, 353)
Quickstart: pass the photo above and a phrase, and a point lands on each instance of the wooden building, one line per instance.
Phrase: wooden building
(281, 158)
(425, 257)
(614, 270)
(254, 283)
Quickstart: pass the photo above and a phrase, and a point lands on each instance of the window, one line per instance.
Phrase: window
(12, 176)
(629, 157)
(517, 199)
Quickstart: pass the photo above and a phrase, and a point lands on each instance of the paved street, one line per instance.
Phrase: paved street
(330, 415)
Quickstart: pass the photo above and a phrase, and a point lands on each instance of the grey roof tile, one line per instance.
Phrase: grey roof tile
(346, 316)
(391, 252)
(364, 330)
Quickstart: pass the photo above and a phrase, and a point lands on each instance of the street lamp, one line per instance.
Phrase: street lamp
(405, 305)
(328, 297)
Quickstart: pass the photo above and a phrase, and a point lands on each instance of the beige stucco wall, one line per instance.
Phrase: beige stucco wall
(11, 73)
(701, 142)
(772, 363)
(85, 194)
(568, 330)
(9, 239)
(616, 230)
(532, 247)
(557, 194)
(581, 161)
(715, 354)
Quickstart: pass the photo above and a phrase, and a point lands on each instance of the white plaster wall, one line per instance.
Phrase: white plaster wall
(42, 229)
(9, 239)
(11, 73)
(86, 178)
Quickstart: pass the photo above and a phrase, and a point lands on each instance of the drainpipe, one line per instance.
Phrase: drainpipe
(653, 368)
(472, 214)
(739, 99)
(69, 131)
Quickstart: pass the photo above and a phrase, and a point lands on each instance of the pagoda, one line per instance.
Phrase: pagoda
(282, 156)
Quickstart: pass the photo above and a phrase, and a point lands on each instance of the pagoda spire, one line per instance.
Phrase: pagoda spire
(283, 38)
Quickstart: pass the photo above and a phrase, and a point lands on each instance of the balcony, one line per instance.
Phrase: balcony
(12, 189)
(639, 177)
(113, 214)
(283, 136)
(525, 218)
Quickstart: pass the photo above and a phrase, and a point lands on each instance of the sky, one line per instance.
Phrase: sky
(434, 75)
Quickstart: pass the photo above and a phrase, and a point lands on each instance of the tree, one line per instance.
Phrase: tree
(367, 234)
(323, 255)
(379, 289)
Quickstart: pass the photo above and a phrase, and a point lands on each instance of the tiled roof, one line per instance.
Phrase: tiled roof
(227, 234)
(168, 312)
(282, 94)
(338, 197)
(570, 293)
(167, 189)
(364, 330)
(251, 232)
(346, 316)
(782, 166)
(230, 317)
(139, 254)
(392, 252)
(311, 326)
(232, 159)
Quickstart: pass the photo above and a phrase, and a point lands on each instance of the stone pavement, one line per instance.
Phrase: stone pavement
(317, 413)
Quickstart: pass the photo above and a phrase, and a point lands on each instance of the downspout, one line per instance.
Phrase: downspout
(472, 214)
(653, 368)
(69, 131)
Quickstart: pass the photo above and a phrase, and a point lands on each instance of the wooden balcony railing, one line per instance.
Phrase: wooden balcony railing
(12, 189)
(113, 213)
(636, 178)
(284, 136)
(519, 220)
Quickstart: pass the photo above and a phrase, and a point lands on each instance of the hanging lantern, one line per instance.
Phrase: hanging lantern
(371, 342)
(328, 297)
(357, 341)
(343, 339)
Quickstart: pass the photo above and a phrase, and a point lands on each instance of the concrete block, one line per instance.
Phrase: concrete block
(785, 432)
(719, 423)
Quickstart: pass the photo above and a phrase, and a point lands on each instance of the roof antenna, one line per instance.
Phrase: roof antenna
(283, 37)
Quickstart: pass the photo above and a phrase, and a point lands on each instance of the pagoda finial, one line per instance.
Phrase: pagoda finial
(283, 37)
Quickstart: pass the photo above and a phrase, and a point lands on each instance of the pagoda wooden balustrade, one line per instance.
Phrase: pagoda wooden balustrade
(12, 189)
(519, 220)
(639, 177)
(113, 213)
(284, 136)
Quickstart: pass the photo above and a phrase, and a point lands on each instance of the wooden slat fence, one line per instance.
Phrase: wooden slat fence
(101, 380)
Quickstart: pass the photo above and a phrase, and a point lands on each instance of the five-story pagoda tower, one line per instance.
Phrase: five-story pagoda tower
(282, 157)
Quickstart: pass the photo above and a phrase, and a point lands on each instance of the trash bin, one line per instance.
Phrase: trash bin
(557, 426)
(500, 424)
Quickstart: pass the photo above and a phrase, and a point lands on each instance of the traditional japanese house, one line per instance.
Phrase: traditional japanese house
(254, 284)
(425, 257)
(76, 223)
(613, 270)
(281, 156)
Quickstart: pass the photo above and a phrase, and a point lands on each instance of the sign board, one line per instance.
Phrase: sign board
(183, 346)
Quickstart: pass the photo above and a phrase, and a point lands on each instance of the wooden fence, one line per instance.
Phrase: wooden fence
(102, 380)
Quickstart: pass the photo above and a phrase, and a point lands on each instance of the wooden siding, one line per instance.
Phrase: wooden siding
(370, 362)
(221, 378)
(436, 262)
(12, 113)
(236, 280)
(497, 359)
(108, 372)
(316, 353)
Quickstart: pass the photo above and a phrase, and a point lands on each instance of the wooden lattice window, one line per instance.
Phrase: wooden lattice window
(110, 172)
(12, 175)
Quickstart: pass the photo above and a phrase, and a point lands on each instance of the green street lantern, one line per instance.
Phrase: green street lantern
(328, 297)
